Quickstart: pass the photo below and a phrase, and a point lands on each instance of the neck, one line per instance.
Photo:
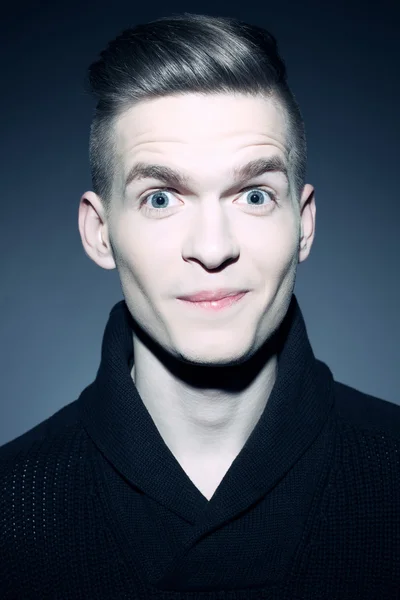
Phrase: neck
(200, 411)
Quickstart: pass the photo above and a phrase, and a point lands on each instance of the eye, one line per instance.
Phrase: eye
(158, 203)
(255, 196)
(157, 199)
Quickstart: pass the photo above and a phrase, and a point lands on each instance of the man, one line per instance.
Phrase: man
(213, 456)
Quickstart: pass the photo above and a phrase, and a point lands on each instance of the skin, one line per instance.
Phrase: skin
(204, 377)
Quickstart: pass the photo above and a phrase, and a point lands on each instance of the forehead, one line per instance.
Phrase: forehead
(201, 123)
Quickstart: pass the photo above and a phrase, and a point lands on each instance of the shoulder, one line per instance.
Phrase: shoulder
(44, 474)
(365, 411)
(44, 438)
(43, 461)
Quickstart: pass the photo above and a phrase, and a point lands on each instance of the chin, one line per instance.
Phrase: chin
(215, 361)
(214, 356)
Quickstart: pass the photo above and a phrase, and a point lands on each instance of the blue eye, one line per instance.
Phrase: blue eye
(158, 200)
(255, 196)
(159, 203)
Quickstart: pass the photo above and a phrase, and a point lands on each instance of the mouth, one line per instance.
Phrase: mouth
(214, 305)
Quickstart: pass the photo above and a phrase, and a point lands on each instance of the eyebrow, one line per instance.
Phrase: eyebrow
(241, 174)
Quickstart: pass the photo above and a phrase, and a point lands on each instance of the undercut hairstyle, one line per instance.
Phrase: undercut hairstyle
(180, 54)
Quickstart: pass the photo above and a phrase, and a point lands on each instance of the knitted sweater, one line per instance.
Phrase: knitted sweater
(93, 504)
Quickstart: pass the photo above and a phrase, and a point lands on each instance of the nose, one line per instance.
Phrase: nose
(210, 239)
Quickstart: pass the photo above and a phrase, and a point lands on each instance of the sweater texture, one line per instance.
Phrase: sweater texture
(93, 504)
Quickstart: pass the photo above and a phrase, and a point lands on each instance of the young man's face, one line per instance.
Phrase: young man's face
(211, 232)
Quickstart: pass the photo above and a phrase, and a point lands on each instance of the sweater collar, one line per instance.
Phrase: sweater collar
(119, 424)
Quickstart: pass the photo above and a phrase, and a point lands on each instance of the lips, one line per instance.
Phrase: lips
(211, 295)
(215, 302)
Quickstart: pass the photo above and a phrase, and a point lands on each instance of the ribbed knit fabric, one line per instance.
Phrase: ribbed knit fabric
(93, 504)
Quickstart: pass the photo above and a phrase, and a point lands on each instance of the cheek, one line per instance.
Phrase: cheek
(142, 257)
(273, 249)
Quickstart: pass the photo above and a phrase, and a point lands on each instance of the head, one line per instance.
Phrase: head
(198, 158)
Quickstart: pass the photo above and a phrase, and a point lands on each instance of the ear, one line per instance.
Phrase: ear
(93, 229)
(307, 216)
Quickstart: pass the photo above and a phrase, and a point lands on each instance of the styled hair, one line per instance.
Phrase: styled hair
(180, 54)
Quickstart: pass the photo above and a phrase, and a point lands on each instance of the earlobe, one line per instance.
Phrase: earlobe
(93, 231)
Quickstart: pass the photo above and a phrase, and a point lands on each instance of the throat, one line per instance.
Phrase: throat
(206, 475)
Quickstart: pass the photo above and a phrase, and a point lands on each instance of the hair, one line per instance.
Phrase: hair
(180, 54)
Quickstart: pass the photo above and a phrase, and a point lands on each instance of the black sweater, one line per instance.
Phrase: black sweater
(93, 504)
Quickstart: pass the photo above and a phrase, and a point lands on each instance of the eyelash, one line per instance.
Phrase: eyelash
(167, 211)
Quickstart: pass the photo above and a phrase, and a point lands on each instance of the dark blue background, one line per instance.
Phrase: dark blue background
(343, 62)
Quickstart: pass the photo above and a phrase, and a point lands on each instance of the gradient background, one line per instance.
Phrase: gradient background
(343, 64)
